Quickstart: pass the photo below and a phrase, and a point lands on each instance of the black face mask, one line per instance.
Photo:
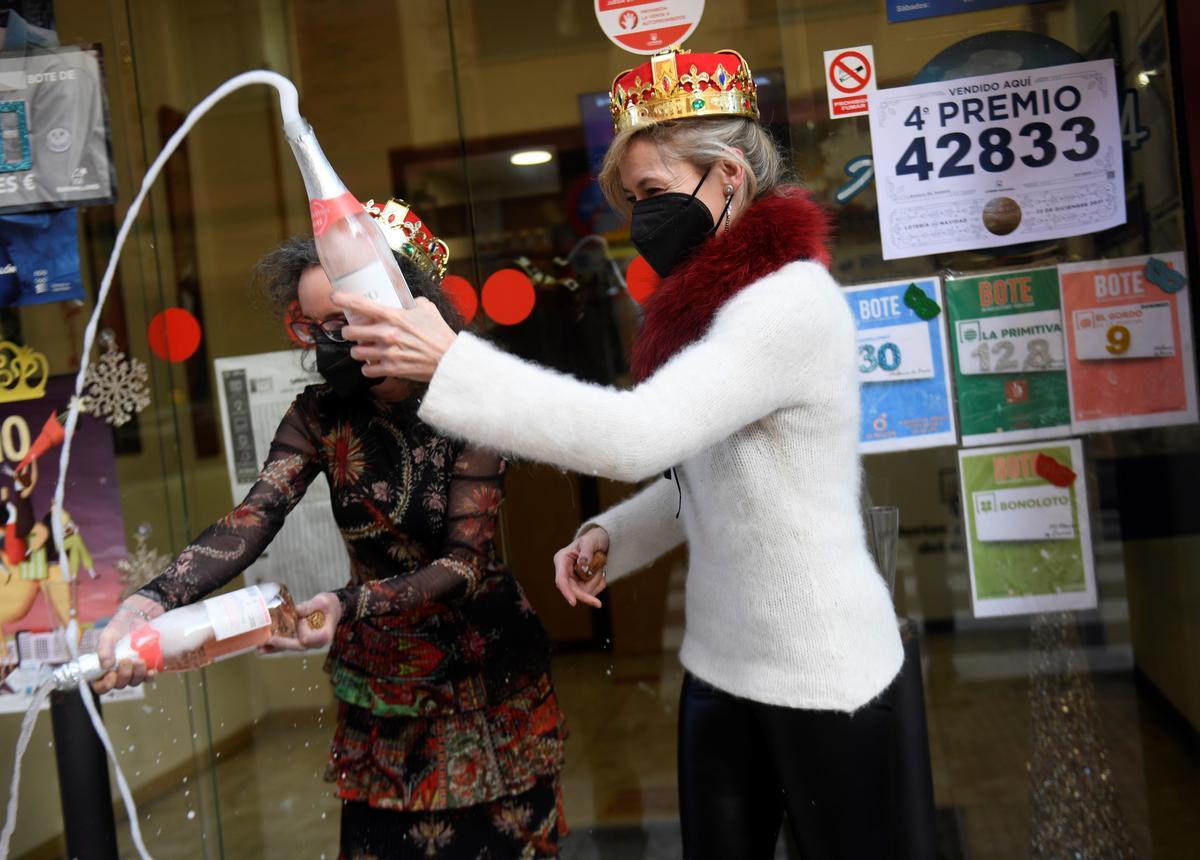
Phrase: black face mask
(667, 228)
(342, 370)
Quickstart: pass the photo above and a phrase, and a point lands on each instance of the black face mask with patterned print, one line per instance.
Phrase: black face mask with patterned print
(342, 370)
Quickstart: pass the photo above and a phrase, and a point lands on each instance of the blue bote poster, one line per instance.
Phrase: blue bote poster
(912, 10)
(905, 382)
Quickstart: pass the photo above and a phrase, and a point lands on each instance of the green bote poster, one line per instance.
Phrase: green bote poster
(1009, 361)
(1028, 538)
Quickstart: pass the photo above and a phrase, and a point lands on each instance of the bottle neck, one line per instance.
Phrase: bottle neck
(320, 180)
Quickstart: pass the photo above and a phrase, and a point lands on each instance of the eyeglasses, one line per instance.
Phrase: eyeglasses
(310, 331)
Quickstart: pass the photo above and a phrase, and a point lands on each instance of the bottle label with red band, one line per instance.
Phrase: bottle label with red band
(145, 641)
(327, 212)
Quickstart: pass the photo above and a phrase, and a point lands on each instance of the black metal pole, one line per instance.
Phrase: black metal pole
(83, 787)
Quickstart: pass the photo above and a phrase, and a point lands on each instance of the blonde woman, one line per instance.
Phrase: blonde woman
(747, 397)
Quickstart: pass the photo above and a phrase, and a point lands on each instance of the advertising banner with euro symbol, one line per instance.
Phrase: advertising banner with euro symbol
(905, 381)
(1010, 369)
(1129, 343)
(1001, 159)
(1028, 534)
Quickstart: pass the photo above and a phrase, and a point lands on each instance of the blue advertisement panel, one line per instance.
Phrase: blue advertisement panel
(912, 10)
(902, 364)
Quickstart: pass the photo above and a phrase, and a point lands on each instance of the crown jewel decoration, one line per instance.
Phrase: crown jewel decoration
(676, 84)
(406, 234)
(23, 372)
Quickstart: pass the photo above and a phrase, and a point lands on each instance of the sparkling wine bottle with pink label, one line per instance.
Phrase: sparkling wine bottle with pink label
(199, 634)
(353, 250)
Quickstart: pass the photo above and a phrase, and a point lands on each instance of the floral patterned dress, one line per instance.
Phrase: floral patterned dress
(447, 716)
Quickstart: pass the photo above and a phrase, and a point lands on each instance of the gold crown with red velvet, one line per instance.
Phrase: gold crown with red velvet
(406, 234)
(675, 84)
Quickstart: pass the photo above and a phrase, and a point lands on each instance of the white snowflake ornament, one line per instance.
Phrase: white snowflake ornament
(116, 384)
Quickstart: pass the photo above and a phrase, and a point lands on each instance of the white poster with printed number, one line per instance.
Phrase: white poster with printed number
(999, 159)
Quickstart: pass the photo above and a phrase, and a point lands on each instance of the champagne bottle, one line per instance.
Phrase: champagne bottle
(197, 635)
(353, 250)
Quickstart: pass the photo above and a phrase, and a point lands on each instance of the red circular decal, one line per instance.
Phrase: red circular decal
(641, 280)
(174, 335)
(462, 295)
(850, 72)
(508, 296)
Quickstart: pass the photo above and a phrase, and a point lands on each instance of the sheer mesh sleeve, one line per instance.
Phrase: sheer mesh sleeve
(232, 544)
(476, 490)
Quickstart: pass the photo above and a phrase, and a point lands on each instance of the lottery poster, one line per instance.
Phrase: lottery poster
(998, 159)
(1010, 368)
(1029, 543)
(56, 145)
(1129, 343)
(40, 591)
(905, 381)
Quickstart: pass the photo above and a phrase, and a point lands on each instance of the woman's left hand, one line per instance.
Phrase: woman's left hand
(307, 636)
(407, 344)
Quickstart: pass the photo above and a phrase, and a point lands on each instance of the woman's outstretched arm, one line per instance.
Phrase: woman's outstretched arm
(223, 550)
(763, 352)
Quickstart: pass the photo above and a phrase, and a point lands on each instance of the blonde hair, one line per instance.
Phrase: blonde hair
(702, 142)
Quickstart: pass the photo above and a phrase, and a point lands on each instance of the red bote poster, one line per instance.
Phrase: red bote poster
(646, 26)
(38, 588)
(1129, 343)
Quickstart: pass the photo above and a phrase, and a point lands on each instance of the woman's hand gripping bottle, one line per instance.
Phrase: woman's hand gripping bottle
(197, 635)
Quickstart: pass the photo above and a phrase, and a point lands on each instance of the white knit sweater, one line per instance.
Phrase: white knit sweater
(760, 417)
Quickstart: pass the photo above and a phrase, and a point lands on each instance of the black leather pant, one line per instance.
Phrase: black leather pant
(743, 765)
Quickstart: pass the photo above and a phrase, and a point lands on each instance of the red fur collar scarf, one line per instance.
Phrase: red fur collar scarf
(773, 232)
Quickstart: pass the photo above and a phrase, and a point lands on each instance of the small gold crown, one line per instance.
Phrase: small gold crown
(675, 84)
(23, 373)
(406, 234)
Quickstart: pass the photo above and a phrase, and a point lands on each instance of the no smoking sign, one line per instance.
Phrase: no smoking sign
(849, 77)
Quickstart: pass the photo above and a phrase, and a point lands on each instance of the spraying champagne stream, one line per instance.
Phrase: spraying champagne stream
(355, 256)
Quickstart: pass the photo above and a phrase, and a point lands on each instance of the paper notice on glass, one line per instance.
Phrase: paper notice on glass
(1010, 368)
(1028, 535)
(998, 159)
(902, 366)
(255, 391)
(54, 130)
(1129, 342)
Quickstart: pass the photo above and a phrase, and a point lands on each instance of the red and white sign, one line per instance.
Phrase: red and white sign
(648, 26)
(849, 77)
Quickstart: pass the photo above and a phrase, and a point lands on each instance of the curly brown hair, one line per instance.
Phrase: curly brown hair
(277, 278)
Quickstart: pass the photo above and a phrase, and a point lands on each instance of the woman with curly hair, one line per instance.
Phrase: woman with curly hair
(449, 735)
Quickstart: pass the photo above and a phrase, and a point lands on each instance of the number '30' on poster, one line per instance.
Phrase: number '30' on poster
(1028, 535)
(1129, 343)
(905, 383)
